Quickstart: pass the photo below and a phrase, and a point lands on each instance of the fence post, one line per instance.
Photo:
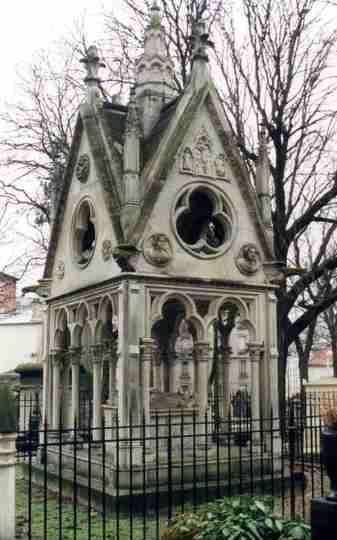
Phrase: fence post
(7, 483)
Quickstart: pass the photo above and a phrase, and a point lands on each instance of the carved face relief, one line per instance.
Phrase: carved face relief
(83, 168)
(158, 249)
(203, 221)
(249, 259)
(60, 270)
(107, 250)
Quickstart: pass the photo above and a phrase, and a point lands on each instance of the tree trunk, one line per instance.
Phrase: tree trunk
(334, 356)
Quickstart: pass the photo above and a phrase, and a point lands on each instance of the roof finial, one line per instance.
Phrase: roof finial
(92, 64)
(155, 15)
(200, 41)
(263, 142)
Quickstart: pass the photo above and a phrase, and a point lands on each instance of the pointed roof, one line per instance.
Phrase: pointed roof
(178, 117)
(103, 128)
(154, 69)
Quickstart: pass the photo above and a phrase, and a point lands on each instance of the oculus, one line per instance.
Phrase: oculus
(84, 233)
(203, 221)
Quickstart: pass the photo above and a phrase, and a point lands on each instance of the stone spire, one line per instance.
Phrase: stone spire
(92, 64)
(200, 44)
(131, 167)
(154, 73)
(262, 178)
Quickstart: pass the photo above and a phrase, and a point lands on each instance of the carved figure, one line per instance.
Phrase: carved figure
(187, 160)
(248, 260)
(157, 249)
(83, 168)
(60, 270)
(106, 250)
(210, 235)
(220, 166)
(184, 343)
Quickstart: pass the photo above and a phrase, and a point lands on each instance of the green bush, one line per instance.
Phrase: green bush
(237, 518)
(7, 410)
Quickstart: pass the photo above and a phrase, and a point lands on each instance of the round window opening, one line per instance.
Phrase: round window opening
(84, 233)
(203, 221)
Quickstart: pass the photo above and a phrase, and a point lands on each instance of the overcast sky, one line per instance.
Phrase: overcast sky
(26, 27)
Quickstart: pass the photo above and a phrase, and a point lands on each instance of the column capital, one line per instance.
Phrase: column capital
(225, 352)
(147, 348)
(75, 355)
(202, 349)
(57, 356)
(96, 353)
(255, 350)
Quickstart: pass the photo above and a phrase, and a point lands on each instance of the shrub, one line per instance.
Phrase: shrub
(7, 410)
(237, 518)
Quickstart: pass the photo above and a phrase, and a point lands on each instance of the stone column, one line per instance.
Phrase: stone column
(202, 355)
(147, 350)
(57, 363)
(7, 483)
(255, 351)
(65, 393)
(173, 367)
(75, 386)
(112, 352)
(225, 353)
(97, 391)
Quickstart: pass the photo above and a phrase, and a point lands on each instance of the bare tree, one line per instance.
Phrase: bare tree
(273, 62)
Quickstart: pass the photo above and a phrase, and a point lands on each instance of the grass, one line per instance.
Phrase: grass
(125, 528)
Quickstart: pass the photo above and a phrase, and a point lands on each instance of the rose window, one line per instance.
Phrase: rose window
(203, 221)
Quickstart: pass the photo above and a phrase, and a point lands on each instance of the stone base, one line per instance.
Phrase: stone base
(323, 519)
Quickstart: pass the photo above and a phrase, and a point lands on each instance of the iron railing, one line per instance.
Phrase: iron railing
(127, 481)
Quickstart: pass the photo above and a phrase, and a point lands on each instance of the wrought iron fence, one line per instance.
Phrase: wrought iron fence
(127, 482)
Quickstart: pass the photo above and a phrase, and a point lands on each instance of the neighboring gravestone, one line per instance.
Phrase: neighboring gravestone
(323, 519)
(7, 463)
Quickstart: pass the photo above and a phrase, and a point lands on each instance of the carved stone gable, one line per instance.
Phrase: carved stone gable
(200, 159)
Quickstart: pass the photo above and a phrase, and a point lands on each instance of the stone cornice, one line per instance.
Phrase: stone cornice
(159, 280)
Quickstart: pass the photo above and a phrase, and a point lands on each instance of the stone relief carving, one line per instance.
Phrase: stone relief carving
(200, 160)
(83, 168)
(220, 166)
(107, 250)
(248, 260)
(60, 270)
(158, 249)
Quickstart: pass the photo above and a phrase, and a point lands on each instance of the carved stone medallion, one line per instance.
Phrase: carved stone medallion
(83, 168)
(60, 270)
(107, 250)
(248, 260)
(158, 249)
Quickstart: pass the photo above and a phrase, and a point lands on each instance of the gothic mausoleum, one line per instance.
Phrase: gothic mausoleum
(160, 241)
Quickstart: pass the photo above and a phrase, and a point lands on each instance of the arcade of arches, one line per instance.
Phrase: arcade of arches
(136, 349)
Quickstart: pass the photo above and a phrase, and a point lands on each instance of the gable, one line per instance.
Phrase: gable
(94, 136)
(204, 165)
(156, 172)
(68, 270)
